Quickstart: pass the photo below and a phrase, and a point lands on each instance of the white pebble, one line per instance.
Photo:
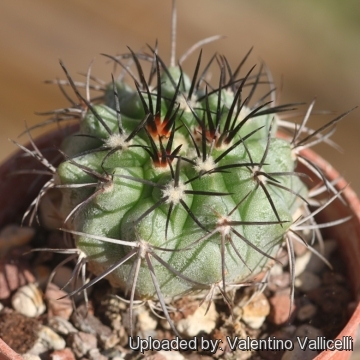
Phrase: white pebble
(28, 301)
(51, 338)
(276, 270)
(198, 321)
(61, 325)
(38, 348)
(171, 355)
(145, 320)
(301, 263)
(255, 322)
(47, 340)
(307, 281)
(255, 312)
(31, 357)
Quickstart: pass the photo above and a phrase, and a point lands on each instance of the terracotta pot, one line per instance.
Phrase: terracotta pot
(19, 190)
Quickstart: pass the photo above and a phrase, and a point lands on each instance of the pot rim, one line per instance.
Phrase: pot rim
(353, 202)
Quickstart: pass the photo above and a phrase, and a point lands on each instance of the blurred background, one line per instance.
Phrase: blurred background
(311, 47)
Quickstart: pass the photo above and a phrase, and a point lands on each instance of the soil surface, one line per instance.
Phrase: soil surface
(100, 327)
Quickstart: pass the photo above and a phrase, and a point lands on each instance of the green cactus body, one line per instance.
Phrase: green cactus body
(188, 185)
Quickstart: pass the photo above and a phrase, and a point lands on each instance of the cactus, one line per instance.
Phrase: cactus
(174, 186)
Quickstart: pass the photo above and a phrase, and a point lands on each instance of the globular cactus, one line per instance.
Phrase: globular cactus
(174, 186)
(199, 195)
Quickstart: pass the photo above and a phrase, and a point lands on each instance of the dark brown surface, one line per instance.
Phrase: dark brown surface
(18, 331)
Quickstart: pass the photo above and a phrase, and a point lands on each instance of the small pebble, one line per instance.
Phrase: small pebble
(14, 273)
(94, 354)
(87, 322)
(61, 325)
(38, 348)
(14, 236)
(298, 354)
(146, 323)
(309, 331)
(255, 312)
(64, 354)
(145, 320)
(51, 338)
(171, 355)
(301, 263)
(116, 353)
(307, 281)
(276, 270)
(278, 282)
(110, 310)
(280, 307)
(198, 321)
(28, 301)
(155, 356)
(81, 343)
(306, 312)
(56, 306)
(31, 357)
(107, 341)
